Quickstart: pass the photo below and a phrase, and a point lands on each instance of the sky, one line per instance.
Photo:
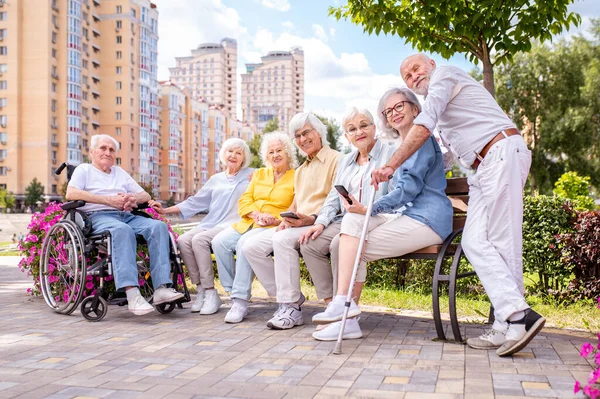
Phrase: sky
(344, 67)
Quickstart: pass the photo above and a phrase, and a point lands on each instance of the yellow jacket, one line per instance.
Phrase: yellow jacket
(265, 196)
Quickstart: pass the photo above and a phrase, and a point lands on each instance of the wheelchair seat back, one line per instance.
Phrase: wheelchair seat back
(81, 219)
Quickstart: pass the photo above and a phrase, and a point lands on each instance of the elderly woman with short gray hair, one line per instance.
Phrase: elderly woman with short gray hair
(270, 192)
(219, 198)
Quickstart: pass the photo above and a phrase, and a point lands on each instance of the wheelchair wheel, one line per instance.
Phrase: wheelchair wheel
(145, 281)
(165, 308)
(62, 267)
(91, 312)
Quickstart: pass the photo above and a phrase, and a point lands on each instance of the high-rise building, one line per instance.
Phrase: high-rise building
(71, 69)
(274, 88)
(210, 73)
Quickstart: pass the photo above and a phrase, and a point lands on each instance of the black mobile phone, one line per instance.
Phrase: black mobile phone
(290, 215)
(344, 193)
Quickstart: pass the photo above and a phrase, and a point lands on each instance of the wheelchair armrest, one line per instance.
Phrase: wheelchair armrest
(67, 206)
(143, 205)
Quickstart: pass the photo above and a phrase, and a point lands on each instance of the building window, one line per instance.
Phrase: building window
(119, 55)
(3, 84)
(3, 50)
(119, 9)
(54, 53)
(119, 70)
(118, 100)
(119, 40)
(118, 131)
(3, 33)
(54, 37)
(53, 87)
(84, 95)
(119, 24)
(119, 85)
(3, 16)
(54, 187)
(118, 116)
(3, 137)
(54, 105)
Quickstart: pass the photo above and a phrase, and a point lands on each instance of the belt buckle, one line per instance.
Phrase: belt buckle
(479, 157)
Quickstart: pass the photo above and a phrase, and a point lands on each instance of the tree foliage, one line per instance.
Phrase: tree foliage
(490, 31)
(333, 131)
(575, 187)
(551, 94)
(7, 200)
(34, 192)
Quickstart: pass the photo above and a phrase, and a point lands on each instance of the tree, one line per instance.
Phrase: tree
(271, 126)
(490, 31)
(254, 145)
(148, 188)
(333, 131)
(34, 193)
(552, 95)
(7, 200)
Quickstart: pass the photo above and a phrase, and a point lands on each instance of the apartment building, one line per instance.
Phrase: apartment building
(184, 139)
(273, 88)
(210, 73)
(71, 69)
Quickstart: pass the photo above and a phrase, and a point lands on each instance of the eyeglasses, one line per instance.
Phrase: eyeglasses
(354, 131)
(304, 133)
(398, 107)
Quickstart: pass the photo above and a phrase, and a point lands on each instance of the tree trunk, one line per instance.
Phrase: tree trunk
(488, 75)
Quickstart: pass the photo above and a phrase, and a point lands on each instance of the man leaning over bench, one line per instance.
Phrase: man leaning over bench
(481, 136)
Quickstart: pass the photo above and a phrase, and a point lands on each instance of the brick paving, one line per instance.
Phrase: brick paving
(180, 355)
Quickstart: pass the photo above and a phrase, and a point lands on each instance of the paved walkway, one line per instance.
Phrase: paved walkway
(180, 355)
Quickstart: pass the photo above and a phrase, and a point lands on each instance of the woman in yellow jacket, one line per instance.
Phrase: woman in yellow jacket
(270, 192)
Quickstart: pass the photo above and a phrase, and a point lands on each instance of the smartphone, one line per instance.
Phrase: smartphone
(290, 215)
(344, 193)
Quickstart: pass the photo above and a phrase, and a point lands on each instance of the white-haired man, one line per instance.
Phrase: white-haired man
(482, 137)
(312, 182)
(110, 194)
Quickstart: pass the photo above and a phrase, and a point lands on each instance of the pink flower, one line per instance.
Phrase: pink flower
(594, 376)
(586, 349)
(599, 305)
(89, 285)
(577, 387)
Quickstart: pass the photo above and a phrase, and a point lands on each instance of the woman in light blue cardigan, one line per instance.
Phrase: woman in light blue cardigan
(219, 197)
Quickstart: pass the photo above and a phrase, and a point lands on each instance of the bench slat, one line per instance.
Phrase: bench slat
(457, 186)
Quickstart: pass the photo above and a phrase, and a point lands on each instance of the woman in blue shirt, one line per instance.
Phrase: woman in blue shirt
(414, 214)
(219, 197)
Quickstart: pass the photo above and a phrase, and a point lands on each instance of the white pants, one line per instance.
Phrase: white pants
(493, 235)
(280, 274)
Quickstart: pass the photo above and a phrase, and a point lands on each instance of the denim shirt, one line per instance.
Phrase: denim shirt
(419, 190)
(333, 210)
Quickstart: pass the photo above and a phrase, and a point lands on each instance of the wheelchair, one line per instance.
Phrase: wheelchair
(70, 253)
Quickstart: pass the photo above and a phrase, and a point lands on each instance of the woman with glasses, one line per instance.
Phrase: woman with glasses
(411, 213)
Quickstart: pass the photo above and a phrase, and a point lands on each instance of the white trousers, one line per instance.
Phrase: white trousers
(493, 235)
(278, 274)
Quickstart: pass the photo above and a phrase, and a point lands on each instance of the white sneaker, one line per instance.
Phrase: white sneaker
(212, 302)
(238, 311)
(491, 339)
(138, 306)
(335, 311)
(165, 295)
(197, 306)
(520, 332)
(332, 331)
(289, 316)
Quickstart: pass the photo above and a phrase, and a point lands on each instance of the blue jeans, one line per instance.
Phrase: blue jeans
(123, 226)
(235, 275)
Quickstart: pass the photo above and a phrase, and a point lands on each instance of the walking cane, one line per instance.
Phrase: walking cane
(363, 235)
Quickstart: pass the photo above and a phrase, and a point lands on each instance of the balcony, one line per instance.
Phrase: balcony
(96, 32)
(95, 47)
(54, 143)
(96, 18)
(95, 123)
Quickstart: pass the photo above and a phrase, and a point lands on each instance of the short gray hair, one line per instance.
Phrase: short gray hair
(95, 139)
(300, 119)
(235, 143)
(354, 112)
(288, 146)
(386, 130)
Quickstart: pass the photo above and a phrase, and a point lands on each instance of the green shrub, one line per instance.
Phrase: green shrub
(545, 218)
(574, 187)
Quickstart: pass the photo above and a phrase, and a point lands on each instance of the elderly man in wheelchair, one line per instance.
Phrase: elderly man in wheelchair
(110, 194)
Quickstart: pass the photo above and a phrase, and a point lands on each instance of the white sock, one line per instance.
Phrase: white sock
(241, 302)
(132, 293)
(517, 316)
(340, 298)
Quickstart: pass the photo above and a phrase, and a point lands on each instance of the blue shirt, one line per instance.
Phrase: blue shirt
(219, 197)
(419, 188)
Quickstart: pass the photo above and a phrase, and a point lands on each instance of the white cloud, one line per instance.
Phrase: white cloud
(319, 32)
(287, 25)
(332, 32)
(279, 5)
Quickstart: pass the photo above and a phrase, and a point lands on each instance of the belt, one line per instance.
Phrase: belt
(486, 148)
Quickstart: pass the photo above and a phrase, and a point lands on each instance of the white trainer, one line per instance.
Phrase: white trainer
(332, 331)
(238, 311)
(212, 302)
(138, 305)
(335, 311)
(491, 339)
(197, 306)
(165, 295)
(289, 315)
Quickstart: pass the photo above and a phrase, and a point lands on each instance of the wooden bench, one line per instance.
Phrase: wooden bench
(450, 251)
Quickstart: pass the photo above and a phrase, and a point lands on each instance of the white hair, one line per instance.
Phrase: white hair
(288, 146)
(388, 132)
(235, 143)
(95, 139)
(298, 122)
(354, 112)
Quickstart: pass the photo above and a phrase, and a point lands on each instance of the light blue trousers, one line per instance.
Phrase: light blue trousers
(123, 227)
(235, 275)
